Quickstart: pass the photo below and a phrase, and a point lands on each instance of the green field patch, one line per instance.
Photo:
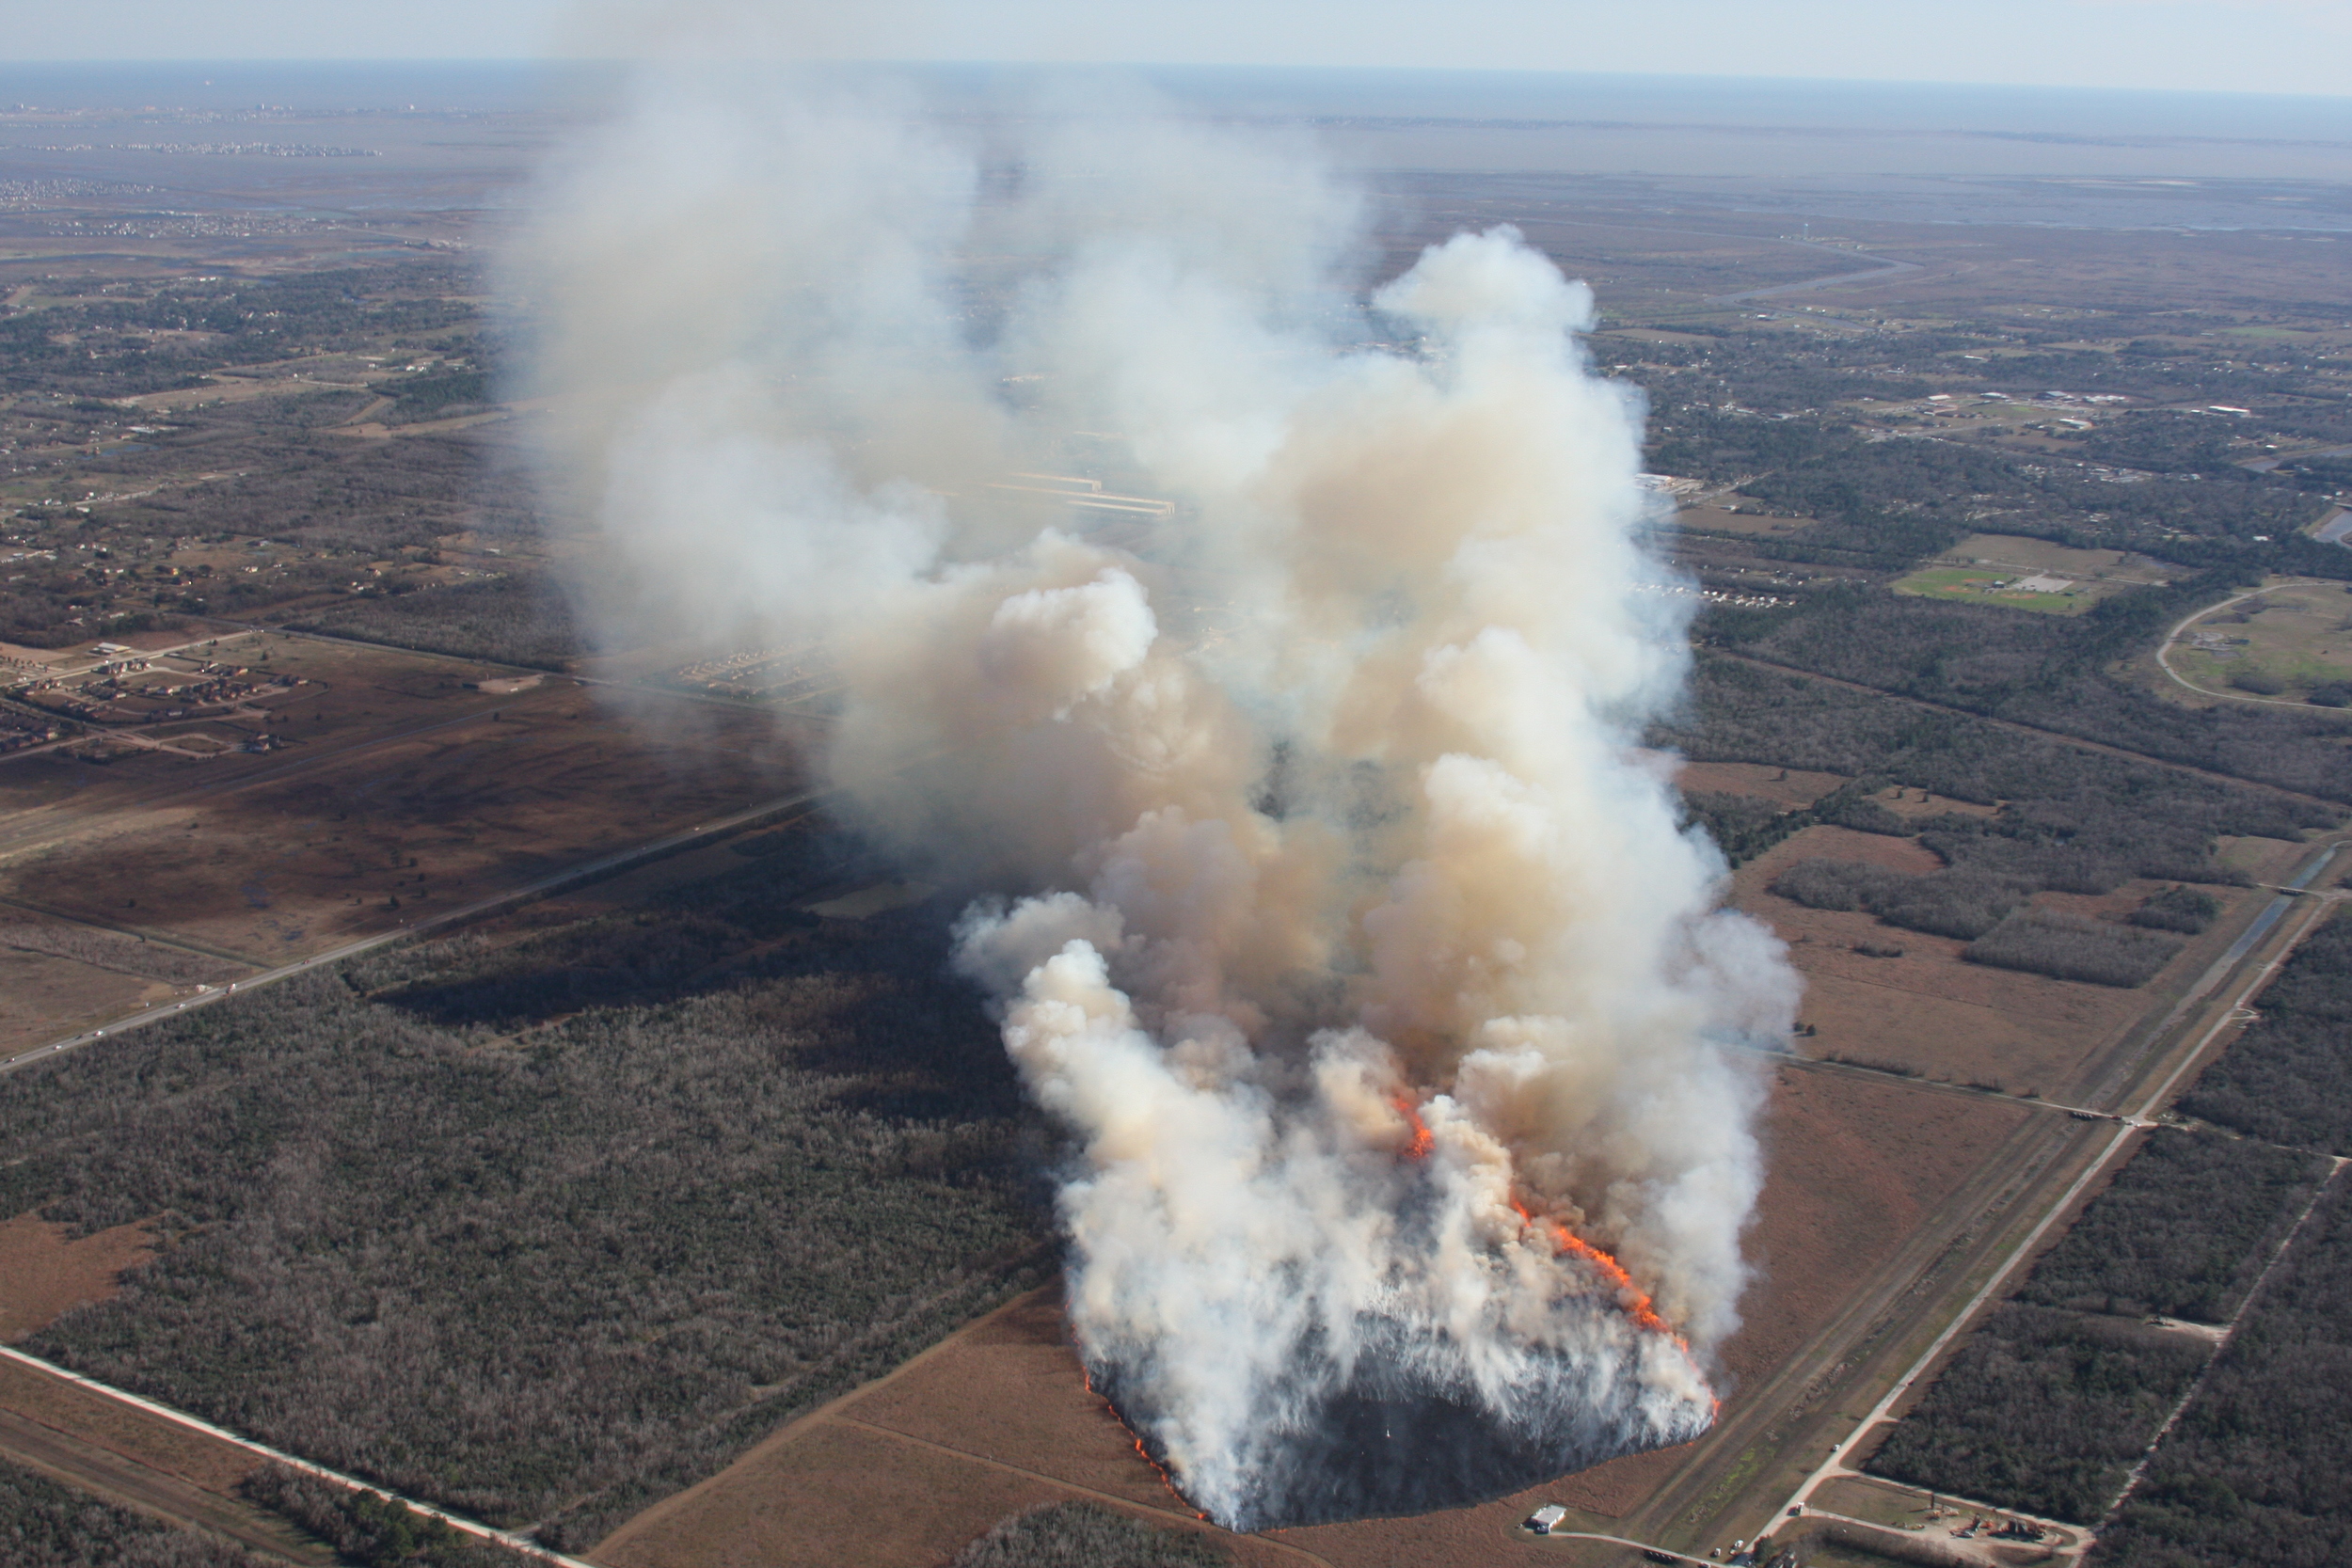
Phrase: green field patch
(1979, 585)
(2296, 638)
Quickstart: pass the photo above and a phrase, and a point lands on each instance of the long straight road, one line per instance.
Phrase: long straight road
(1748, 1471)
(588, 870)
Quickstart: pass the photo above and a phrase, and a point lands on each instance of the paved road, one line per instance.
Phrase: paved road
(584, 871)
(2222, 1013)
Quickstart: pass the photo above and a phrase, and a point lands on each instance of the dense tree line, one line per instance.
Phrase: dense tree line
(1971, 904)
(2179, 1232)
(519, 619)
(1087, 1535)
(2257, 1473)
(2069, 948)
(2288, 1078)
(2046, 671)
(2044, 1411)
(370, 1531)
(2070, 819)
(1962, 904)
(44, 1525)
(542, 1230)
(2177, 908)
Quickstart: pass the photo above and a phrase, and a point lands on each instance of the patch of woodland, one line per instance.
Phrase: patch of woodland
(2287, 1079)
(2069, 819)
(542, 1230)
(1087, 1535)
(2182, 1230)
(2177, 908)
(2056, 1394)
(2050, 671)
(1884, 505)
(2257, 1472)
(44, 1524)
(2044, 1411)
(370, 1531)
(2073, 947)
(517, 619)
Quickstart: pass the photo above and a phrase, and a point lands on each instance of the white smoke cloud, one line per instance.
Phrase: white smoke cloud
(1339, 917)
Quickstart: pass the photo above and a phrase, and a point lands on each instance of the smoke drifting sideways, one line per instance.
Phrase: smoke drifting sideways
(1329, 901)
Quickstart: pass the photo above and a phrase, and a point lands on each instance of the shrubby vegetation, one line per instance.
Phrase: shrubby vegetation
(1955, 903)
(2288, 1078)
(43, 1525)
(2070, 819)
(2049, 1403)
(2257, 1473)
(2046, 671)
(540, 1229)
(509, 620)
(2069, 947)
(1087, 1535)
(2181, 1232)
(2044, 1411)
(371, 1530)
(2178, 908)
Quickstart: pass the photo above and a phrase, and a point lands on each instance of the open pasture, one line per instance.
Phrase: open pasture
(2293, 640)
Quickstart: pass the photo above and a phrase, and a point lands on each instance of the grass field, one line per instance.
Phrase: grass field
(1988, 585)
(2293, 639)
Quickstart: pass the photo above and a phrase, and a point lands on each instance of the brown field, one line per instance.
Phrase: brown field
(399, 795)
(42, 996)
(1926, 1012)
(149, 1440)
(1786, 786)
(1717, 519)
(44, 1275)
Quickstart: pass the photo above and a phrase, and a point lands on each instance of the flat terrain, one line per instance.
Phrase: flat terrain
(242, 392)
(399, 790)
(1924, 1012)
(999, 1417)
(2285, 642)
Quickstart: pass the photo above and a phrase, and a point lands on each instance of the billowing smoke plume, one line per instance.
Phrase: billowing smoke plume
(1335, 912)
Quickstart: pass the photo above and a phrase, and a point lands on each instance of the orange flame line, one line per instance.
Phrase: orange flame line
(1087, 1375)
(1423, 1140)
(1636, 1304)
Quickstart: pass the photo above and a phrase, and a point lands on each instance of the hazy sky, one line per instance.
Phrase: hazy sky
(2232, 45)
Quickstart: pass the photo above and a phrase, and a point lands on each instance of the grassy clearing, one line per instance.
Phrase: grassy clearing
(1984, 585)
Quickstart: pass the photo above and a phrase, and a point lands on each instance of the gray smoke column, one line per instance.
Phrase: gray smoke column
(1336, 912)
